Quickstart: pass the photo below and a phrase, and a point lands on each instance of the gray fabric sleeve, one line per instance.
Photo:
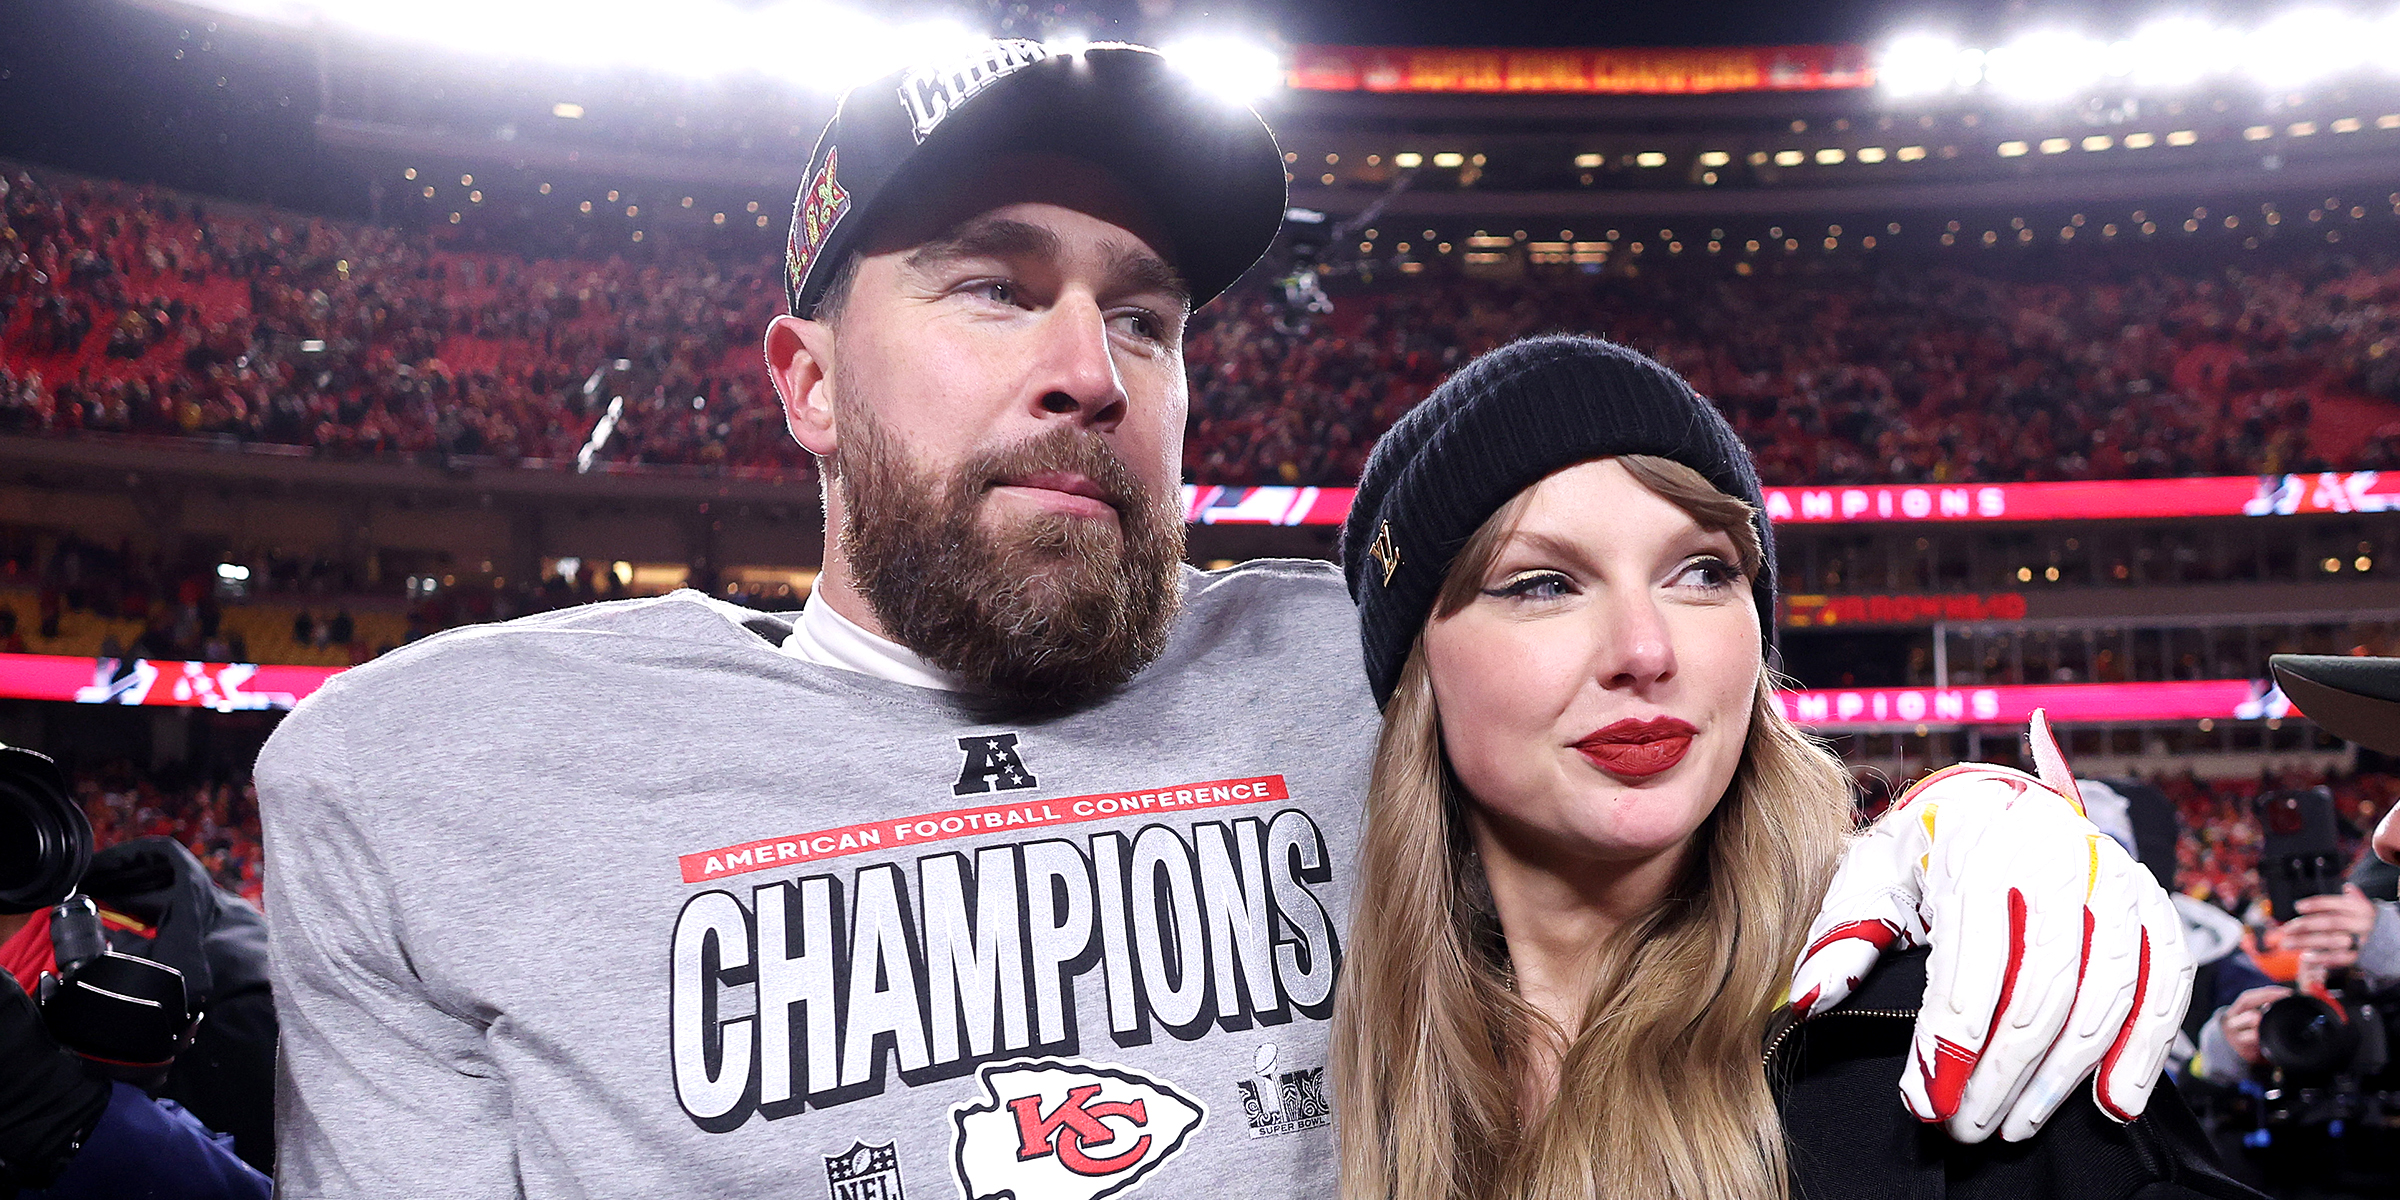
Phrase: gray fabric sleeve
(2217, 1062)
(378, 1091)
(2379, 954)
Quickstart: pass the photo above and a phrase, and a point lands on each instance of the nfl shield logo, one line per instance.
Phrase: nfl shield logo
(865, 1173)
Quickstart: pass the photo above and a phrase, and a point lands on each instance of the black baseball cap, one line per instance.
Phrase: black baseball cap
(2356, 699)
(1207, 168)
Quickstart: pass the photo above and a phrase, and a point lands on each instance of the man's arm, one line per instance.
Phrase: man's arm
(380, 1090)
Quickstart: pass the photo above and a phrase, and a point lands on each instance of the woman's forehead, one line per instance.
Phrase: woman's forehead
(1598, 502)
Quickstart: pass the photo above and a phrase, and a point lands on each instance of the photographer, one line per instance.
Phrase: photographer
(79, 1069)
(68, 1132)
(2345, 930)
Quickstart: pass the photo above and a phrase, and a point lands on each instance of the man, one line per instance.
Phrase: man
(1018, 864)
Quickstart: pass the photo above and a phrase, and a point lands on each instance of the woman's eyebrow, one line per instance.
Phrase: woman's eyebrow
(1557, 546)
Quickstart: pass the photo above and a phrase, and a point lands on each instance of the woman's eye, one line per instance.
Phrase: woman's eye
(1711, 574)
(1532, 585)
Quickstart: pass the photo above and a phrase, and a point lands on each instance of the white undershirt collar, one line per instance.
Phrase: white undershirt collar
(829, 639)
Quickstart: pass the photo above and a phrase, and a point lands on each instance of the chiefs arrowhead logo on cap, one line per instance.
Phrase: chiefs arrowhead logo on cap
(823, 203)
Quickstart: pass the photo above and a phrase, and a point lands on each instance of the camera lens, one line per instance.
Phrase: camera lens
(45, 842)
(2306, 1036)
(20, 846)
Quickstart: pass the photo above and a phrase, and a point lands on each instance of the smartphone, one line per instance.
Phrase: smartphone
(2301, 856)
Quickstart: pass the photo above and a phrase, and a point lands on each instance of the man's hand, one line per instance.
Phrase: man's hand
(2055, 955)
(2240, 1021)
(2330, 929)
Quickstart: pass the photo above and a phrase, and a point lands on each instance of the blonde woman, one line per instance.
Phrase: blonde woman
(1593, 847)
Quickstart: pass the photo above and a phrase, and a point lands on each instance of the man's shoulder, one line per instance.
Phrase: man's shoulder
(567, 642)
(1268, 582)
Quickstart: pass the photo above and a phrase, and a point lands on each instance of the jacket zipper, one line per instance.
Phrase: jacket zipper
(1775, 1044)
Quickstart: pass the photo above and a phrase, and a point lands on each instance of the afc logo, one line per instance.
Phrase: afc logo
(992, 764)
(1065, 1129)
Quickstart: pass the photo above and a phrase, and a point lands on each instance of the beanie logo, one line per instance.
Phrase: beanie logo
(1385, 552)
(822, 203)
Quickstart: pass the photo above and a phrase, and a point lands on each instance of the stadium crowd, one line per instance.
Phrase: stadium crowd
(130, 311)
(216, 819)
(127, 311)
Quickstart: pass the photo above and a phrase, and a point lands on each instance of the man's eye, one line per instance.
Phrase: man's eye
(1139, 324)
(1532, 585)
(998, 291)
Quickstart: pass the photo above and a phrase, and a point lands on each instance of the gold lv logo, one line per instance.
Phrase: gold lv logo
(1384, 552)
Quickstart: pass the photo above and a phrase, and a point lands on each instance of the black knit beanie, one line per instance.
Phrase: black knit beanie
(1495, 428)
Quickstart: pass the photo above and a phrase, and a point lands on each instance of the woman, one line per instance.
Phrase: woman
(1593, 845)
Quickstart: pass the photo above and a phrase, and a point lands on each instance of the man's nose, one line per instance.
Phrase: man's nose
(1076, 374)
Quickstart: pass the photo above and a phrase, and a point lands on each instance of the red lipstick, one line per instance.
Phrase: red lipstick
(1631, 749)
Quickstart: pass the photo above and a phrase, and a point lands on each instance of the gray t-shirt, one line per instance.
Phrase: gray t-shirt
(621, 901)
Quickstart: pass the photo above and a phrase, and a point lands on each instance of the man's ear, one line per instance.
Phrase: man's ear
(800, 361)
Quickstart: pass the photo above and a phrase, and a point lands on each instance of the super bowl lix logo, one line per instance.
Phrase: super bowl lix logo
(1063, 1129)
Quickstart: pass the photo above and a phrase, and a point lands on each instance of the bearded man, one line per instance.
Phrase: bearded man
(1019, 863)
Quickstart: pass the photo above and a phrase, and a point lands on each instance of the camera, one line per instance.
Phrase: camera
(130, 1015)
(2301, 855)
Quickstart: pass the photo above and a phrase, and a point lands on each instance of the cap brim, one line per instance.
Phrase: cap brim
(2355, 699)
(1208, 170)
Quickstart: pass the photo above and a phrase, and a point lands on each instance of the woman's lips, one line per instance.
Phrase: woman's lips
(1632, 749)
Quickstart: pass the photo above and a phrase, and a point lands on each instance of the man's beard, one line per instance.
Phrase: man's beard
(1044, 611)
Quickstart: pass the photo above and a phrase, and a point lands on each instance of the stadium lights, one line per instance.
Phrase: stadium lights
(1229, 67)
(818, 45)
(2290, 49)
(2050, 65)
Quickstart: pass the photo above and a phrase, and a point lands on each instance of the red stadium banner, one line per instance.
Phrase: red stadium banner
(2222, 699)
(2079, 500)
(1581, 72)
(226, 687)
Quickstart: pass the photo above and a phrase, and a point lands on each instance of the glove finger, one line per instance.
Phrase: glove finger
(1962, 989)
(2103, 999)
(2163, 986)
(2055, 878)
(1869, 906)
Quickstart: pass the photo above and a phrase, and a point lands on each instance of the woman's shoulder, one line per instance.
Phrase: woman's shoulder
(1837, 1080)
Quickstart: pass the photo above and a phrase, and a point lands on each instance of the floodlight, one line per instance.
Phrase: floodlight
(1228, 67)
(2303, 46)
(1920, 64)
(2174, 52)
(2048, 65)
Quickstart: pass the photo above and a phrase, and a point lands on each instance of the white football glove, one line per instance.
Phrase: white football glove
(2054, 952)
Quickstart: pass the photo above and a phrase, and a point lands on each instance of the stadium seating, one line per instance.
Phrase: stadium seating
(131, 312)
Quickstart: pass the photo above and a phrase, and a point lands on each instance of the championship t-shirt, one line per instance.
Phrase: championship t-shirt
(623, 901)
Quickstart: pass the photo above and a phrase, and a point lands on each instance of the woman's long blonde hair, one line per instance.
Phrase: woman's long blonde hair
(1662, 1092)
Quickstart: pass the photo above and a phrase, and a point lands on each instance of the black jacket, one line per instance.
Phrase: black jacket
(1837, 1079)
(219, 942)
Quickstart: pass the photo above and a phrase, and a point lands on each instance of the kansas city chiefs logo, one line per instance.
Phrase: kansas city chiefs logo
(1068, 1130)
